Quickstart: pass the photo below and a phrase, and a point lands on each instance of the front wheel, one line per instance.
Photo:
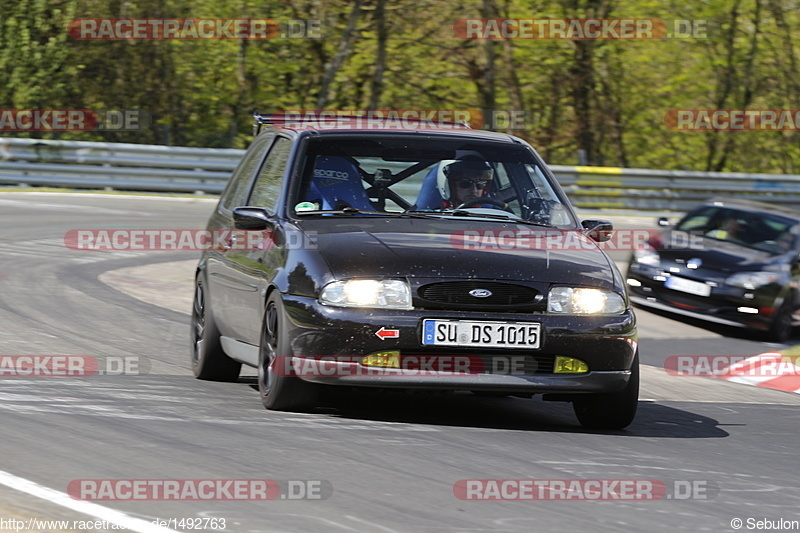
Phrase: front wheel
(613, 410)
(781, 328)
(280, 390)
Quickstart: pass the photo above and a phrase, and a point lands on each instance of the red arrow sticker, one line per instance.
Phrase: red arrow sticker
(384, 333)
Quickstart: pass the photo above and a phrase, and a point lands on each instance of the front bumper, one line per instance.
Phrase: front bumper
(725, 305)
(355, 374)
(607, 344)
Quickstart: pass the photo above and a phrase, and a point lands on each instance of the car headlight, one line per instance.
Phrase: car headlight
(384, 294)
(647, 256)
(583, 301)
(752, 280)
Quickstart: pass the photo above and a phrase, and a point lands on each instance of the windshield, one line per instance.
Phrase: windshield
(391, 175)
(761, 231)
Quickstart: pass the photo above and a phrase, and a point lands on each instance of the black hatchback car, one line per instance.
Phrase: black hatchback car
(729, 261)
(421, 257)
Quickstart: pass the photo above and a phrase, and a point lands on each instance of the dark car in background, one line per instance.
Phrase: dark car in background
(733, 262)
(403, 259)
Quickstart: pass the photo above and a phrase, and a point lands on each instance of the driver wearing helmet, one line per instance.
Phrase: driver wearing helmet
(465, 180)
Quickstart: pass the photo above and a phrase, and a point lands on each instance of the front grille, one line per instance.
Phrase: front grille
(504, 296)
(480, 364)
(514, 364)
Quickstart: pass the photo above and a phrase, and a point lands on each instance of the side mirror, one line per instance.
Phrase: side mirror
(251, 218)
(598, 230)
(663, 222)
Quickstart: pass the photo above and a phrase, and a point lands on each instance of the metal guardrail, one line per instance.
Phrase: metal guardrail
(137, 167)
(670, 190)
(134, 167)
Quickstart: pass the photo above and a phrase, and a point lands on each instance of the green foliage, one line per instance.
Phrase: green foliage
(606, 98)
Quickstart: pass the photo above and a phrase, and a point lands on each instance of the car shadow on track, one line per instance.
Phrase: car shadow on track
(504, 413)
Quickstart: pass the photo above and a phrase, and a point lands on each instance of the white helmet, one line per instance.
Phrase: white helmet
(468, 167)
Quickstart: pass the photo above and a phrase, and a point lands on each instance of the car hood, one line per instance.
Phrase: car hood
(720, 256)
(429, 248)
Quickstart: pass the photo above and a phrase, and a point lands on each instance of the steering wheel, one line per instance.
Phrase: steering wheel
(486, 200)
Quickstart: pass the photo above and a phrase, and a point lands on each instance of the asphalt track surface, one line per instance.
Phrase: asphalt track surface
(389, 463)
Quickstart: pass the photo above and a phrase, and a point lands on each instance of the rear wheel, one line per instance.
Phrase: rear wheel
(612, 410)
(208, 359)
(280, 390)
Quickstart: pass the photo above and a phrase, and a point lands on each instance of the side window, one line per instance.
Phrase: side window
(699, 220)
(237, 187)
(502, 176)
(268, 186)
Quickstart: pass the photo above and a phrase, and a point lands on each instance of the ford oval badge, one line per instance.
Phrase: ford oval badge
(480, 293)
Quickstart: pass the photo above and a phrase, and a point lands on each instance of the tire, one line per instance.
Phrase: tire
(614, 410)
(209, 361)
(279, 390)
(781, 328)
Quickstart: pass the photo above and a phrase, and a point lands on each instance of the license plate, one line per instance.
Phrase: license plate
(481, 334)
(687, 285)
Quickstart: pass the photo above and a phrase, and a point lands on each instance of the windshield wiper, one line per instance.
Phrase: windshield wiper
(501, 215)
(424, 214)
(356, 211)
